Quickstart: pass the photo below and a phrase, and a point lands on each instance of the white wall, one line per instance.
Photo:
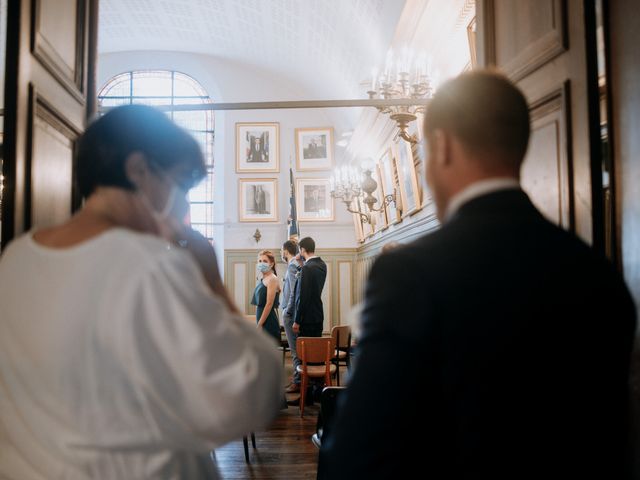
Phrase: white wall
(229, 82)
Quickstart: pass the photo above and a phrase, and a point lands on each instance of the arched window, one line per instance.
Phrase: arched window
(162, 87)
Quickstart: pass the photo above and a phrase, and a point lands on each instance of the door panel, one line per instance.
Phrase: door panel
(50, 164)
(47, 71)
(537, 35)
(546, 172)
(541, 46)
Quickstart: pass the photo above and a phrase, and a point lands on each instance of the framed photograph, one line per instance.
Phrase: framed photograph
(257, 147)
(380, 217)
(409, 189)
(471, 37)
(313, 202)
(357, 219)
(389, 185)
(314, 149)
(258, 200)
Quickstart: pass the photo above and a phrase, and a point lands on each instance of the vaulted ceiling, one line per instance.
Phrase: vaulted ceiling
(328, 46)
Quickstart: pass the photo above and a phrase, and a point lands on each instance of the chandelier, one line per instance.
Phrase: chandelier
(404, 78)
(348, 184)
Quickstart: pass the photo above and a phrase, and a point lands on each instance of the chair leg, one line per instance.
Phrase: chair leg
(303, 394)
(245, 442)
(253, 439)
(338, 373)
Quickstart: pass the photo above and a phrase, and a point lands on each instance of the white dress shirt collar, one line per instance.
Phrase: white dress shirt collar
(478, 189)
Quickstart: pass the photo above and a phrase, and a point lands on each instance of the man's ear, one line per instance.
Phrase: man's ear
(441, 147)
(136, 169)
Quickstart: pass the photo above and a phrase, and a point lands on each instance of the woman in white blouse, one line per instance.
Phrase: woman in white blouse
(121, 354)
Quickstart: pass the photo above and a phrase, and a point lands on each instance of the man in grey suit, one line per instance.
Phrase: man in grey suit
(289, 251)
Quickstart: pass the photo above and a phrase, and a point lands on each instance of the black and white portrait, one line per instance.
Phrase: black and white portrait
(257, 147)
(313, 201)
(257, 150)
(314, 149)
(314, 196)
(314, 146)
(257, 200)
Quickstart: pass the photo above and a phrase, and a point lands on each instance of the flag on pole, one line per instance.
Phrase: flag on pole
(292, 222)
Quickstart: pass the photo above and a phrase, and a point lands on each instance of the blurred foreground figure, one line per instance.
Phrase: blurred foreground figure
(121, 354)
(497, 346)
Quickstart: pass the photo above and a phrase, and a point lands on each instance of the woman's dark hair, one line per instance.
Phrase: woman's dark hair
(108, 142)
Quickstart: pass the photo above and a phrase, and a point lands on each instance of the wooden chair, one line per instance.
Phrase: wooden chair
(342, 336)
(317, 351)
(245, 442)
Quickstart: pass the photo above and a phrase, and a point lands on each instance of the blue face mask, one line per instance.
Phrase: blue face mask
(263, 267)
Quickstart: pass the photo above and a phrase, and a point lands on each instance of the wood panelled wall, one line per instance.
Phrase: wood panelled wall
(540, 44)
(339, 293)
(48, 98)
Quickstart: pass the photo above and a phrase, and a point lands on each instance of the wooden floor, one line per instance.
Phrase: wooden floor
(284, 451)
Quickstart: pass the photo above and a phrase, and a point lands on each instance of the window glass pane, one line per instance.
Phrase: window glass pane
(152, 100)
(190, 100)
(156, 88)
(119, 86)
(203, 192)
(185, 86)
(152, 84)
(201, 212)
(191, 120)
(206, 229)
(114, 102)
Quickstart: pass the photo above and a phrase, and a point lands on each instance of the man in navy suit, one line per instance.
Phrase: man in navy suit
(498, 346)
(309, 315)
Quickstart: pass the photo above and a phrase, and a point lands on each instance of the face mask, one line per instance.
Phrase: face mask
(162, 215)
(264, 267)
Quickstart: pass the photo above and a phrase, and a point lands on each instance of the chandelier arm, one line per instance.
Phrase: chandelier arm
(364, 216)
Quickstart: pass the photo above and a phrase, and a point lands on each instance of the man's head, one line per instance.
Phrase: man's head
(307, 247)
(476, 128)
(289, 250)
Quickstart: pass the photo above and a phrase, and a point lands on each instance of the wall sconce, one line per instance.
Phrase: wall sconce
(257, 236)
(344, 186)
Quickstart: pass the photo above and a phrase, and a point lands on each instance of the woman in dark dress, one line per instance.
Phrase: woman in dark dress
(266, 295)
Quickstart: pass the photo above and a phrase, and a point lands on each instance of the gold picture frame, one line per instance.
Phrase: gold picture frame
(313, 200)
(257, 147)
(314, 149)
(258, 200)
(407, 178)
(389, 175)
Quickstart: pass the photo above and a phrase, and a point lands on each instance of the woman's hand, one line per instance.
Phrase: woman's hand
(203, 253)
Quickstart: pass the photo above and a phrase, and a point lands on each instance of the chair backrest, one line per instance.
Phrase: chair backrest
(342, 336)
(315, 349)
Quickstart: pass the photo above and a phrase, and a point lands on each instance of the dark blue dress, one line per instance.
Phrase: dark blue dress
(271, 325)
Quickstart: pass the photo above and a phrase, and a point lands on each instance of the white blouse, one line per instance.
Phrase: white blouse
(117, 362)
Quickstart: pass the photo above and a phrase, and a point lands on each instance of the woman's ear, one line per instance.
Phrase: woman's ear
(136, 169)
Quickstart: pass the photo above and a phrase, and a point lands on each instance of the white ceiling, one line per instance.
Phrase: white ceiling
(326, 46)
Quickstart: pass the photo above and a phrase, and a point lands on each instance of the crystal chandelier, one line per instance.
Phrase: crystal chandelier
(348, 183)
(405, 78)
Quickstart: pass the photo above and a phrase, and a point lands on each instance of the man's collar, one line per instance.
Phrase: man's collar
(311, 258)
(478, 189)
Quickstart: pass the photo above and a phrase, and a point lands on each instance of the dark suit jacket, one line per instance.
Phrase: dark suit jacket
(496, 347)
(309, 313)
